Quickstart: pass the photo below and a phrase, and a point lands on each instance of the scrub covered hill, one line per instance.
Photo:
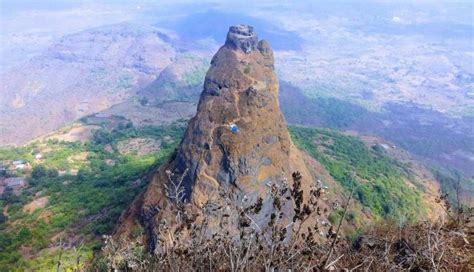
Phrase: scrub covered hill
(81, 207)
(388, 187)
(75, 193)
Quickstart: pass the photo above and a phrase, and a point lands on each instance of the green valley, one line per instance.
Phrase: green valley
(84, 187)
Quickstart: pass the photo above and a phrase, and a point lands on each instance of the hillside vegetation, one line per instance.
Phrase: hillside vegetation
(86, 188)
(87, 185)
(277, 246)
(380, 181)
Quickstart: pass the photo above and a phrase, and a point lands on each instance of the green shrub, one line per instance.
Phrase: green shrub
(247, 69)
(3, 218)
(335, 216)
(39, 171)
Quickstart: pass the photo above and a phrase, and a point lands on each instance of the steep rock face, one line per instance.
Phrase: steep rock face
(240, 92)
(238, 139)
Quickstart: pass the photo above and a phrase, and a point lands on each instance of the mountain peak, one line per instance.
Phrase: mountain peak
(242, 37)
(237, 142)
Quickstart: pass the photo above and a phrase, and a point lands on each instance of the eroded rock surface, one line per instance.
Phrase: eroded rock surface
(242, 37)
(237, 141)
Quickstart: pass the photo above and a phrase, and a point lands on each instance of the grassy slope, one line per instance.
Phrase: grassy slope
(381, 181)
(81, 207)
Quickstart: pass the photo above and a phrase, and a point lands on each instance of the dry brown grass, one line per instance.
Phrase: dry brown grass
(210, 243)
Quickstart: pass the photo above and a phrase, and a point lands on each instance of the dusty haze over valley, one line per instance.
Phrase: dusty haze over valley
(118, 98)
(407, 67)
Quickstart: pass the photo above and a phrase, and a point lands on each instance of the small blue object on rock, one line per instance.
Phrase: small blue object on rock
(234, 128)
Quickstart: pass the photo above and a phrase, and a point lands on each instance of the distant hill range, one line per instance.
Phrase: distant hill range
(81, 74)
(140, 71)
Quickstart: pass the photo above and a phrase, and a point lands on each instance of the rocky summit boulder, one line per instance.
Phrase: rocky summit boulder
(237, 142)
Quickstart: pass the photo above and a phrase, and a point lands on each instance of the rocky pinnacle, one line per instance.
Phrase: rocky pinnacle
(242, 37)
(237, 142)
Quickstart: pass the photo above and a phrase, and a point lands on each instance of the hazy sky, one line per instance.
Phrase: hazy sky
(27, 27)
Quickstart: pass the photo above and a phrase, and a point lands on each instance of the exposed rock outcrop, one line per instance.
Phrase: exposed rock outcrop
(242, 37)
(237, 141)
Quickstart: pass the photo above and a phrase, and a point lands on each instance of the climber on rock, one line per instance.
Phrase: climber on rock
(234, 128)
